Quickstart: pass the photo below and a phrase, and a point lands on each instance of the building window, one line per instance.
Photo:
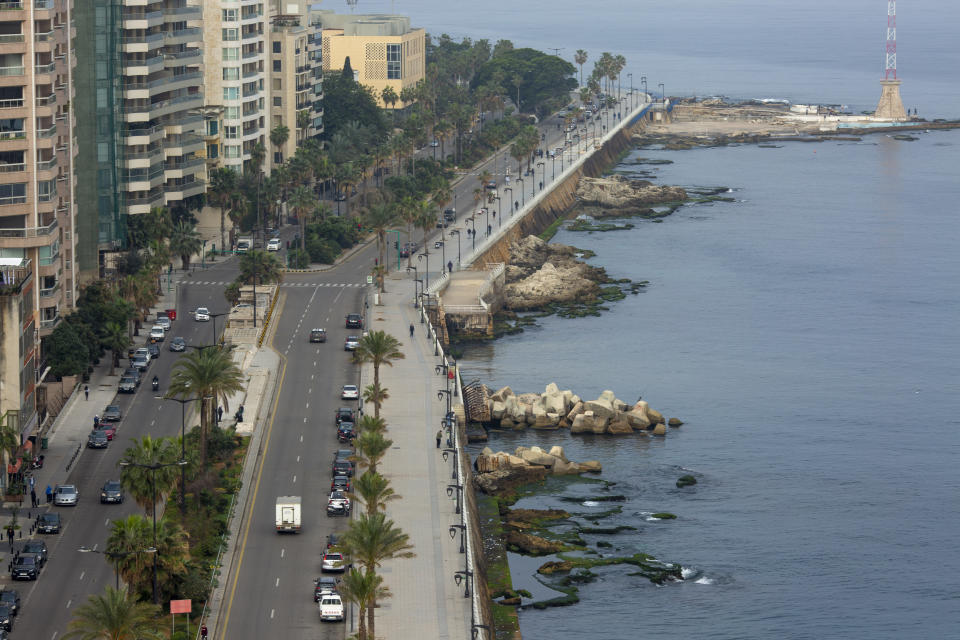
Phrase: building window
(13, 193)
(277, 101)
(213, 127)
(393, 62)
(230, 15)
(46, 190)
(231, 132)
(231, 93)
(213, 151)
(231, 113)
(231, 73)
(231, 53)
(277, 66)
(276, 47)
(230, 35)
(277, 157)
(231, 151)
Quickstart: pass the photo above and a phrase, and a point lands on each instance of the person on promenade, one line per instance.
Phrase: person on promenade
(49, 494)
(411, 329)
(219, 414)
(86, 392)
(33, 497)
(439, 437)
(450, 266)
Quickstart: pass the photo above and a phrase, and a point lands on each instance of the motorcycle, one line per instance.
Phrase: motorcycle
(37, 463)
(156, 383)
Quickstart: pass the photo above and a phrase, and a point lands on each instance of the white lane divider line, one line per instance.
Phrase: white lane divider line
(308, 405)
(301, 435)
(69, 602)
(282, 552)
(294, 479)
(271, 611)
(277, 583)
(298, 458)
(82, 573)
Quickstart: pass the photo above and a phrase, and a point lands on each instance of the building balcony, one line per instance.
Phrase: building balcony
(11, 71)
(13, 167)
(144, 204)
(183, 58)
(11, 38)
(26, 237)
(142, 67)
(180, 123)
(47, 325)
(12, 103)
(177, 170)
(43, 5)
(11, 5)
(13, 135)
(183, 36)
(142, 44)
(183, 145)
(142, 159)
(175, 193)
(183, 13)
(143, 136)
(48, 132)
(143, 20)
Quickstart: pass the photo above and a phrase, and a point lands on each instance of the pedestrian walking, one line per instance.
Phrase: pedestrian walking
(411, 329)
(450, 266)
(31, 481)
(33, 497)
(203, 631)
(10, 536)
(96, 421)
(49, 494)
(439, 437)
(86, 392)
(219, 414)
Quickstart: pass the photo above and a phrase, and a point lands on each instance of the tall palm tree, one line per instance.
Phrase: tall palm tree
(303, 123)
(139, 481)
(262, 265)
(173, 553)
(372, 394)
(371, 447)
(211, 375)
(257, 154)
(363, 588)
(185, 241)
(301, 201)
(373, 490)
(371, 539)
(278, 137)
(223, 184)
(371, 423)
(380, 217)
(580, 57)
(378, 348)
(116, 615)
(127, 543)
(116, 339)
(426, 220)
(389, 96)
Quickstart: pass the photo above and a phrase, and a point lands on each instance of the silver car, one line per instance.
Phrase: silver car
(65, 495)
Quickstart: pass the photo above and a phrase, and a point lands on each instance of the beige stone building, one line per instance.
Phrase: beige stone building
(37, 152)
(18, 346)
(384, 50)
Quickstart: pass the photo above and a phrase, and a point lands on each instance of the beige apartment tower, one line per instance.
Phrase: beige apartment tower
(37, 212)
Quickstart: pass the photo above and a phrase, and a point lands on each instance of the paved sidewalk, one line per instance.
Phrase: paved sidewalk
(426, 601)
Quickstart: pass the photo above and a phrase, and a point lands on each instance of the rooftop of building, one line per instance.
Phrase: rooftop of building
(374, 24)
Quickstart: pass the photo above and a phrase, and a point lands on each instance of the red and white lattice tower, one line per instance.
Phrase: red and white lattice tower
(890, 106)
(891, 71)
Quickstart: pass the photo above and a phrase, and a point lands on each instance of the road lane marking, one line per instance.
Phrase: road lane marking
(282, 551)
(294, 482)
(304, 420)
(308, 404)
(69, 602)
(298, 458)
(311, 376)
(82, 573)
(271, 614)
(277, 583)
(253, 503)
(301, 435)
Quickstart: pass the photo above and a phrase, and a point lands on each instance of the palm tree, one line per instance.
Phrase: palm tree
(303, 122)
(116, 339)
(257, 154)
(116, 615)
(278, 137)
(223, 184)
(129, 539)
(147, 485)
(363, 588)
(211, 375)
(262, 265)
(373, 490)
(580, 57)
(185, 241)
(301, 201)
(389, 96)
(371, 447)
(371, 539)
(377, 348)
(380, 217)
(371, 423)
(373, 394)
(173, 553)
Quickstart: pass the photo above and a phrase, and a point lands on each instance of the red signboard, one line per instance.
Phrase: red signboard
(180, 606)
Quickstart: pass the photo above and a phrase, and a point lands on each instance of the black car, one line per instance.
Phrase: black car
(111, 414)
(25, 567)
(340, 483)
(354, 321)
(132, 372)
(325, 583)
(342, 468)
(111, 492)
(38, 548)
(443, 223)
(11, 598)
(178, 344)
(6, 618)
(408, 249)
(127, 385)
(345, 414)
(449, 215)
(154, 350)
(97, 439)
(49, 523)
(332, 540)
(346, 432)
(318, 335)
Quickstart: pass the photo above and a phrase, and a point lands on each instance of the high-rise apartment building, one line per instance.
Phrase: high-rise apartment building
(141, 120)
(37, 211)
(235, 76)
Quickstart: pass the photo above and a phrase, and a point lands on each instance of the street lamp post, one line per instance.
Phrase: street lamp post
(153, 467)
(500, 209)
(630, 75)
(415, 281)
(543, 176)
(663, 94)
(643, 81)
(426, 271)
(456, 232)
(509, 204)
(213, 321)
(183, 444)
(523, 195)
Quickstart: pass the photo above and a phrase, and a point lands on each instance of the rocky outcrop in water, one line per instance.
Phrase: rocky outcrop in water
(499, 473)
(540, 274)
(619, 196)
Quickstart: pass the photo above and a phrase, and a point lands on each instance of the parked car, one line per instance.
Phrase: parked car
(324, 584)
(408, 249)
(11, 598)
(318, 335)
(273, 244)
(342, 468)
(49, 523)
(346, 432)
(154, 349)
(344, 414)
(111, 492)
(443, 223)
(111, 414)
(132, 372)
(332, 540)
(38, 548)
(65, 495)
(6, 618)
(331, 607)
(202, 314)
(157, 333)
(109, 429)
(438, 244)
(141, 362)
(333, 562)
(338, 504)
(351, 343)
(343, 454)
(350, 392)
(26, 566)
(142, 351)
(178, 344)
(449, 215)
(97, 440)
(492, 184)
(164, 321)
(127, 385)
(354, 321)
(340, 483)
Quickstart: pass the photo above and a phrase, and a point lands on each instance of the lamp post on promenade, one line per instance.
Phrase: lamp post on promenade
(630, 75)
(643, 81)
(456, 232)
(663, 94)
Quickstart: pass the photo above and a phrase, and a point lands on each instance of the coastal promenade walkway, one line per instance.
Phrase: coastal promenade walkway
(426, 601)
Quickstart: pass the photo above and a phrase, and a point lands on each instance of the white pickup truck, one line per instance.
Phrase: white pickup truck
(288, 514)
(331, 607)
